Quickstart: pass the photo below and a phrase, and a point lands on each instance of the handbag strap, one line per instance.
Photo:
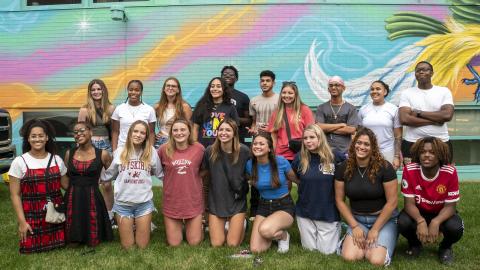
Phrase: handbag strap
(287, 126)
(47, 174)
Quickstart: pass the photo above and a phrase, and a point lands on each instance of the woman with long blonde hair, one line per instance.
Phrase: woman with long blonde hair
(182, 197)
(224, 165)
(170, 106)
(132, 168)
(97, 112)
(317, 216)
(291, 109)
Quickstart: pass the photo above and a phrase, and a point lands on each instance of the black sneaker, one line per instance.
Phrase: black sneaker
(445, 255)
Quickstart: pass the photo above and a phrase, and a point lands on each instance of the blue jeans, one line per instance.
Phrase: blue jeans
(103, 144)
(387, 236)
(133, 211)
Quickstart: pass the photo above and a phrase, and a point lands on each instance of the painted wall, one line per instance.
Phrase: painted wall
(47, 57)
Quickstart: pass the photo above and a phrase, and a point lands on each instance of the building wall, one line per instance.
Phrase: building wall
(48, 54)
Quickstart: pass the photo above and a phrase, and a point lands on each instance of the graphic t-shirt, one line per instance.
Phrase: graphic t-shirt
(133, 181)
(208, 130)
(430, 194)
(182, 184)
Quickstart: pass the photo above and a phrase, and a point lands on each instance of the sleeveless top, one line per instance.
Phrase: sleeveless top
(168, 114)
(100, 128)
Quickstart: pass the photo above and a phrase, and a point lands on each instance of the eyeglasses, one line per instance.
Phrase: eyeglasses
(171, 86)
(79, 131)
(423, 69)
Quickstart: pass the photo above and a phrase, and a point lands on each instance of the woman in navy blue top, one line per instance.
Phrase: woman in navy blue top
(317, 216)
(270, 174)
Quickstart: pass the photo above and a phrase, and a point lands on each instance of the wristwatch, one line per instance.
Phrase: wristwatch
(418, 113)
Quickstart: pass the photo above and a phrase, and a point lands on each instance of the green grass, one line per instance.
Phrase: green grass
(159, 256)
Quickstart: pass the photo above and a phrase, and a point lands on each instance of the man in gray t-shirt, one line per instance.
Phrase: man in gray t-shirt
(337, 118)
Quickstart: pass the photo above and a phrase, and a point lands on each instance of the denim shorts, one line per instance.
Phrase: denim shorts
(268, 207)
(133, 211)
(387, 237)
(160, 141)
(103, 144)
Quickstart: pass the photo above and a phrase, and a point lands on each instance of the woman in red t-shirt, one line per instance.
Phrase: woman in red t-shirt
(298, 115)
(182, 185)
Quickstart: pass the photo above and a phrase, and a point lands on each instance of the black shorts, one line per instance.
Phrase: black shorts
(268, 207)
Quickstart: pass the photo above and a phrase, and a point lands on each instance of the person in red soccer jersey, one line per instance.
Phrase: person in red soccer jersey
(430, 188)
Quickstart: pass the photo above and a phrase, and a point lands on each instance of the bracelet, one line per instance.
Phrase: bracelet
(420, 222)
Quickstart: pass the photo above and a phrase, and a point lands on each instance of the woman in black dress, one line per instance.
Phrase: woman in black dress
(87, 217)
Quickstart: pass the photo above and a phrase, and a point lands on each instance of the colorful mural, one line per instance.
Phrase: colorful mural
(47, 57)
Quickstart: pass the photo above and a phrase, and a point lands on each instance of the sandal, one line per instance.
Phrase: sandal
(413, 251)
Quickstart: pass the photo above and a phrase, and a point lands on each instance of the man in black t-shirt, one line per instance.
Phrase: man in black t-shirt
(239, 99)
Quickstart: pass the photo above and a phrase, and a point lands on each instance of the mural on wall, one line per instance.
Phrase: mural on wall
(48, 57)
(451, 46)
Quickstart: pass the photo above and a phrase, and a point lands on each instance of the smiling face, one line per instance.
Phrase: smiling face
(225, 133)
(260, 147)
(82, 134)
(37, 139)
(335, 89)
(423, 73)
(180, 133)
(288, 95)
(134, 92)
(139, 134)
(229, 76)
(363, 147)
(216, 90)
(266, 84)
(311, 141)
(171, 88)
(428, 157)
(378, 93)
(96, 92)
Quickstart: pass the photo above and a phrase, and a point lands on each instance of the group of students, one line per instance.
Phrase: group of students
(207, 172)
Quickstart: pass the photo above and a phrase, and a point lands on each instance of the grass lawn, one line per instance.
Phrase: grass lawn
(159, 256)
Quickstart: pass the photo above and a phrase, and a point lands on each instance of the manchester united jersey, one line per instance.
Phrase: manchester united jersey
(430, 194)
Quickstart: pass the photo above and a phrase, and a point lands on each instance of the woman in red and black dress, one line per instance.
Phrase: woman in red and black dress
(31, 185)
(87, 217)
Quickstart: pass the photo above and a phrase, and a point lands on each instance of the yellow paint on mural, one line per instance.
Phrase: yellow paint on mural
(17, 96)
(449, 54)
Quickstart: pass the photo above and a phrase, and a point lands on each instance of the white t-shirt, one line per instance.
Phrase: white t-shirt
(18, 169)
(127, 114)
(133, 183)
(381, 120)
(428, 101)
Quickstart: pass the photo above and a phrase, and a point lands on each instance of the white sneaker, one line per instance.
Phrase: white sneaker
(152, 227)
(227, 225)
(284, 245)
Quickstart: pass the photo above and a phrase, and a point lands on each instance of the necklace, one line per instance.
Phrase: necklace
(333, 111)
(362, 174)
(133, 109)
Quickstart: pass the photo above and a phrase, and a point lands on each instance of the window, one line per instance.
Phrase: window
(52, 2)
